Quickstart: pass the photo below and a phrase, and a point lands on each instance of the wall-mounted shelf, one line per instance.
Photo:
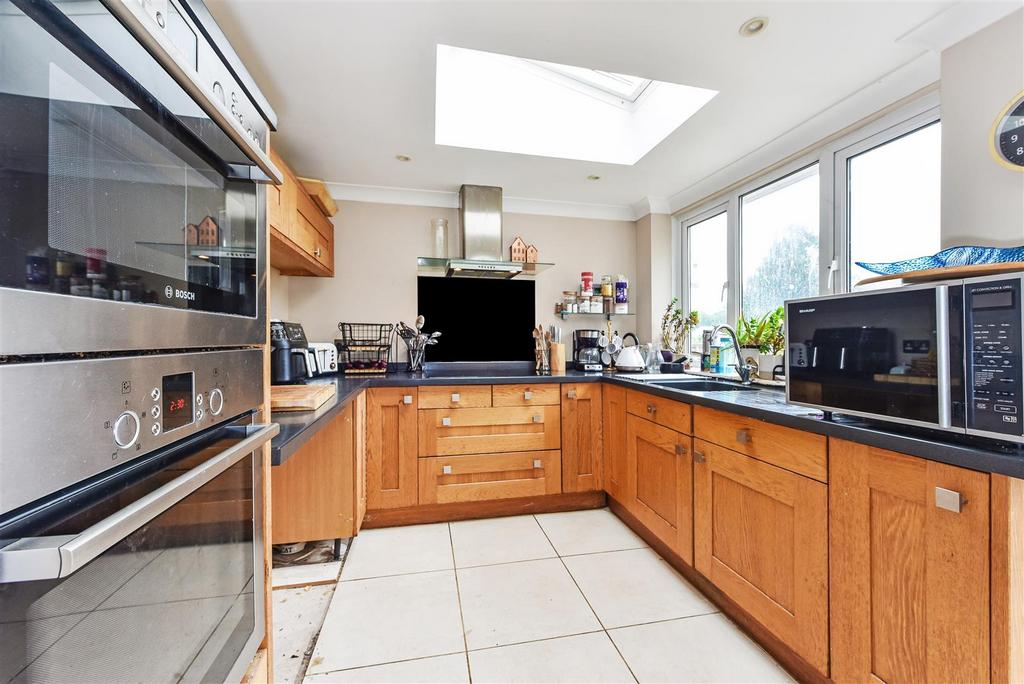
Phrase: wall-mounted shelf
(607, 316)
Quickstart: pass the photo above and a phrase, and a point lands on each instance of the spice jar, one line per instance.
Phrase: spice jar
(586, 283)
(607, 286)
(621, 294)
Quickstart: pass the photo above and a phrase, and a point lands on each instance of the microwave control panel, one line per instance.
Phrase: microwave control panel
(995, 357)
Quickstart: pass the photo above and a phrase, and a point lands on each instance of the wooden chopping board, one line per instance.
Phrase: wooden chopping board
(300, 397)
(948, 273)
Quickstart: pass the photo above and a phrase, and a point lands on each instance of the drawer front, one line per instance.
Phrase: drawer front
(484, 477)
(801, 452)
(444, 432)
(525, 395)
(455, 396)
(668, 412)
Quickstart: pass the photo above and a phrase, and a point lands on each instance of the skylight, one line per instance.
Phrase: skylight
(496, 102)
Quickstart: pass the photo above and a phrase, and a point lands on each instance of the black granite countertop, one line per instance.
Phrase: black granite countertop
(767, 404)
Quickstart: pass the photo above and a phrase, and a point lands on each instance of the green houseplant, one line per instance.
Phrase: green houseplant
(771, 342)
(676, 327)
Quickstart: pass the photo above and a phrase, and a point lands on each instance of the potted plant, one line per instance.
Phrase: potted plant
(772, 342)
(748, 336)
(675, 329)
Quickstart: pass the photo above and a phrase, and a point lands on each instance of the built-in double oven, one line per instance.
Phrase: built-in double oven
(946, 356)
(133, 261)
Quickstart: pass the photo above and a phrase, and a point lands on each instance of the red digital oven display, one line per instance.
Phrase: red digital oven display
(178, 391)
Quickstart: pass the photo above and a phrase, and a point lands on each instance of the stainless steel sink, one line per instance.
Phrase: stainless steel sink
(703, 385)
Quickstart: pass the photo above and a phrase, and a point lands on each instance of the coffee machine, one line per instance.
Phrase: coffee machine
(586, 354)
(289, 354)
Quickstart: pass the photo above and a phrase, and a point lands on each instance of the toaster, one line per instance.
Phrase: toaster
(325, 357)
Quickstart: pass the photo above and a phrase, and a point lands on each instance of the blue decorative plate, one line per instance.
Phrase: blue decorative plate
(954, 256)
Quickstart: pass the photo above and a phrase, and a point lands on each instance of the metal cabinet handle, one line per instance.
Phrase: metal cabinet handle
(316, 252)
(537, 419)
(527, 395)
(949, 500)
(446, 470)
(446, 421)
(407, 399)
(53, 557)
(455, 397)
(651, 408)
(537, 463)
(571, 394)
(743, 436)
(698, 456)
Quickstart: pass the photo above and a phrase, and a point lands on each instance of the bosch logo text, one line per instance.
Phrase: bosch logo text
(175, 293)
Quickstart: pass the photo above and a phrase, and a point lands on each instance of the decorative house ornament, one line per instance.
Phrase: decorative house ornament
(517, 250)
(191, 234)
(208, 232)
(532, 254)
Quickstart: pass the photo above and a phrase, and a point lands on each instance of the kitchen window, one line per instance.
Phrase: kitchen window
(779, 227)
(707, 268)
(872, 195)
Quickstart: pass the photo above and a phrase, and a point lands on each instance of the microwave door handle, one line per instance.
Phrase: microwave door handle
(814, 356)
(842, 358)
(942, 333)
(49, 558)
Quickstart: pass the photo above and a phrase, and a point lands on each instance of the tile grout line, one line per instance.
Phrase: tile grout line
(390, 662)
(458, 598)
(580, 589)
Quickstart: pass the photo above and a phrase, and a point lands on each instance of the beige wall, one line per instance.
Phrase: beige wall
(982, 202)
(376, 246)
(280, 295)
(654, 273)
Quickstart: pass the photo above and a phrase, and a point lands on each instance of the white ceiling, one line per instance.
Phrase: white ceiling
(353, 82)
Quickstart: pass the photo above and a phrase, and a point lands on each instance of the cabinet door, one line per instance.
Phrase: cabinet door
(761, 536)
(909, 579)
(450, 432)
(660, 482)
(581, 437)
(616, 467)
(359, 456)
(486, 477)
(391, 447)
(313, 493)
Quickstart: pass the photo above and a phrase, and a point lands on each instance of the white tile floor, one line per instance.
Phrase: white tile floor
(562, 597)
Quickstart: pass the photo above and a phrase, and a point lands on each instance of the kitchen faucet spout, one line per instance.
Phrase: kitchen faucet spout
(745, 370)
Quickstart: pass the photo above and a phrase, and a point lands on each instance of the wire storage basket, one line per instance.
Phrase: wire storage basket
(364, 348)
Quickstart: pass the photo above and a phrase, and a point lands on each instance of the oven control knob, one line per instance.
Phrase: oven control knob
(216, 402)
(126, 429)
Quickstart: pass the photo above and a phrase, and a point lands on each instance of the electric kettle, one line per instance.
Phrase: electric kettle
(630, 359)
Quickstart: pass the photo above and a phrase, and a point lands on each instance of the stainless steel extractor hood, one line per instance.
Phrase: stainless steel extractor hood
(480, 220)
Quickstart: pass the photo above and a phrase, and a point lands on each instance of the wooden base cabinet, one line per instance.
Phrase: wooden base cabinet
(616, 468)
(761, 536)
(485, 477)
(391, 450)
(909, 576)
(581, 437)
(660, 483)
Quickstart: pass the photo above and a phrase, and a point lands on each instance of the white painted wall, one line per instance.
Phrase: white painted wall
(654, 273)
(280, 295)
(982, 202)
(376, 246)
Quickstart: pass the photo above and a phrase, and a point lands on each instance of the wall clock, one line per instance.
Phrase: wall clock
(1007, 138)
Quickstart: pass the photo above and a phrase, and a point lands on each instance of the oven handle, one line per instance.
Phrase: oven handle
(48, 558)
(135, 19)
(942, 355)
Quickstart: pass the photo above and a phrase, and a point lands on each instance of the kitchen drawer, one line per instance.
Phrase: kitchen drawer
(444, 432)
(484, 477)
(801, 452)
(455, 396)
(668, 412)
(525, 395)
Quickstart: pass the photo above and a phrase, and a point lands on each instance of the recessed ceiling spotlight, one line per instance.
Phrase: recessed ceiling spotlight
(592, 177)
(754, 26)
(403, 157)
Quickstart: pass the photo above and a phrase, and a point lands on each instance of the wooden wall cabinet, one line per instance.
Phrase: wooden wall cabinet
(301, 235)
(909, 578)
(761, 536)
(616, 467)
(391, 450)
(582, 438)
(660, 482)
(315, 493)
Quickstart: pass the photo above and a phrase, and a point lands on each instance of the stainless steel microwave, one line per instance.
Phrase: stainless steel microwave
(945, 355)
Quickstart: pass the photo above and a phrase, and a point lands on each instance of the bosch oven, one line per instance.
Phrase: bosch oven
(946, 355)
(132, 153)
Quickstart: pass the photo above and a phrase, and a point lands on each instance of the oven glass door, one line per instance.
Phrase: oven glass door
(873, 354)
(175, 599)
(117, 186)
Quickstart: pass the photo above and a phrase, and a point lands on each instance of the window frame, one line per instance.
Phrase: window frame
(695, 219)
(831, 157)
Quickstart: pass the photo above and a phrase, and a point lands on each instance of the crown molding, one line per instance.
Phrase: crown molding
(450, 200)
(650, 205)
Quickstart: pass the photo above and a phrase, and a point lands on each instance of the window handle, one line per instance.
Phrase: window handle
(725, 288)
(833, 268)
